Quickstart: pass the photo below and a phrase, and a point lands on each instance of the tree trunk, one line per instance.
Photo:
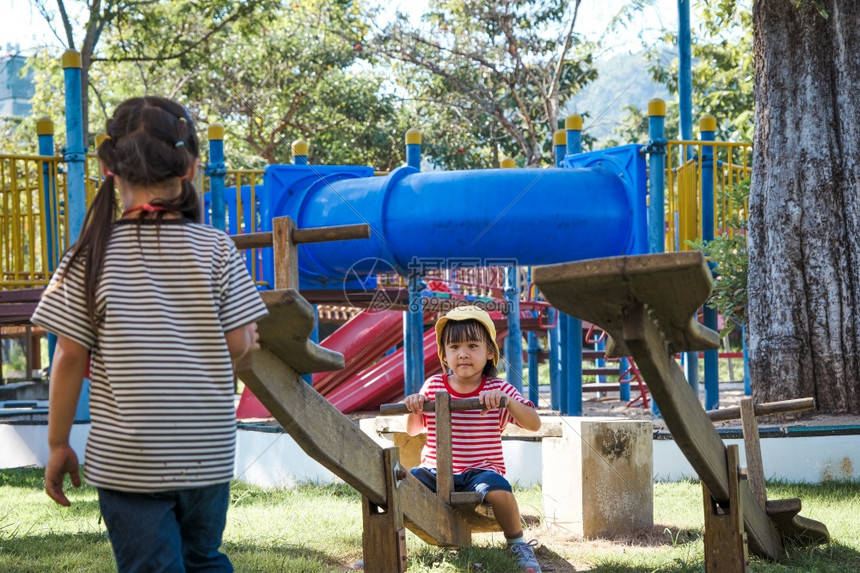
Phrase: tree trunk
(804, 227)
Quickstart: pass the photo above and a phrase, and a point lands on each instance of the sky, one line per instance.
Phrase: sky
(21, 23)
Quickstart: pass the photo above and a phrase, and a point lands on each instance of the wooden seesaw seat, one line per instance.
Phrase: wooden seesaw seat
(392, 497)
(648, 305)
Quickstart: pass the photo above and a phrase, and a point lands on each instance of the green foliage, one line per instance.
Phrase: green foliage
(487, 79)
(723, 67)
(728, 253)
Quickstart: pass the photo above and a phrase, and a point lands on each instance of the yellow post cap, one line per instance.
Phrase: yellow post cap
(708, 123)
(559, 137)
(45, 126)
(71, 59)
(300, 147)
(508, 163)
(413, 137)
(574, 122)
(216, 132)
(100, 137)
(657, 107)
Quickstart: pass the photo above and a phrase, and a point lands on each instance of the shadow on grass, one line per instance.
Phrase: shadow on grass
(47, 553)
(285, 558)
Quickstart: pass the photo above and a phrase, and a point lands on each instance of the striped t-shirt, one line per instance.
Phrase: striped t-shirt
(161, 399)
(476, 440)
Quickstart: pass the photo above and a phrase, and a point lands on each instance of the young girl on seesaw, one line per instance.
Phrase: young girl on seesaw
(466, 342)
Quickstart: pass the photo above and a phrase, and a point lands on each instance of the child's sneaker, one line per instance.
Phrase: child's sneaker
(526, 555)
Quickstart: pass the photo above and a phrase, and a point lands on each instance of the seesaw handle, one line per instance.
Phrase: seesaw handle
(465, 404)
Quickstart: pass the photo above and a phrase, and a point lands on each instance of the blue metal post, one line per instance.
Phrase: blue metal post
(553, 341)
(45, 132)
(573, 358)
(216, 170)
(573, 128)
(657, 176)
(624, 389)
(514, 340)
(572, 339)
(656, 187)
(413, 148)
(74, 155)
(300, 149)
(559, 141)
(707, 129)
(685, 71)
(75, 152)
(413, 335)
(534, 364)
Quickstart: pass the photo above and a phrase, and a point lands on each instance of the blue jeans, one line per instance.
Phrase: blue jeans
(174, 531)
(482, 481)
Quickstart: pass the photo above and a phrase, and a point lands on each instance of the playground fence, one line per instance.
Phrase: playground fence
(33, 220)
(684, 172)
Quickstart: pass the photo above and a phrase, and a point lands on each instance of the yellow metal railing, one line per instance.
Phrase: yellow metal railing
(732, 164)
(31, 197)
(33, 218)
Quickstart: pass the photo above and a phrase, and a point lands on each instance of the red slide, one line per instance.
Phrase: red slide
(383, 382)
(362, 340)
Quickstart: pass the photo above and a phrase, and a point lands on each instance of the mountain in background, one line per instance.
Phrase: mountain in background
(622, 80)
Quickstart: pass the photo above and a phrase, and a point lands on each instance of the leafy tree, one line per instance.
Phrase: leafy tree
(503, 68)
(722, 70)
(183, 27)
(804, 296)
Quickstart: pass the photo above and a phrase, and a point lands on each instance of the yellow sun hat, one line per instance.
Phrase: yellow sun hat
(467, 313)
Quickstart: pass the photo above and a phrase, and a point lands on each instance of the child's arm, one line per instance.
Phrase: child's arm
(415, 419)
(526, 417)
(67, 374)
(242, 340)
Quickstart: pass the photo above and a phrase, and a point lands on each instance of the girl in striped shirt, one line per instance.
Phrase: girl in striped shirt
(466, 342)
(157, 305)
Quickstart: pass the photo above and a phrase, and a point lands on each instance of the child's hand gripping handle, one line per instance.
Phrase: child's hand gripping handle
(465, 404)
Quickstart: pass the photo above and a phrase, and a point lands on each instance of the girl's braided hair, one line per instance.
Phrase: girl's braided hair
(150, 141)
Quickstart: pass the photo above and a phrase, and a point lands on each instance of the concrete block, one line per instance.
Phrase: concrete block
(597, 477)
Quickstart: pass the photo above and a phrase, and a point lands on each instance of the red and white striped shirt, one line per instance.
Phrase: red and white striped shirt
(476, 440)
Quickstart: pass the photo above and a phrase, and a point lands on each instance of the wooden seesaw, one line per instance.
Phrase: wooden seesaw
(391, 497)
(648, 305)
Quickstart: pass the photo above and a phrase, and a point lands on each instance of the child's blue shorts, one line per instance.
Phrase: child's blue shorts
(482, 481)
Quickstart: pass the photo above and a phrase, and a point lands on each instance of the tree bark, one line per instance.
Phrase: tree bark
(804, 227)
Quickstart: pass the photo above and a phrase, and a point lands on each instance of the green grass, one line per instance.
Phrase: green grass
(318, 529)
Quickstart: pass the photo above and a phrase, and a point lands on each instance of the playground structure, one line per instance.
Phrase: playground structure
(616, 294)
(600, 199)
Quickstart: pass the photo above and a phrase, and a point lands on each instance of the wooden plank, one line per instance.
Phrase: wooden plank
(725, 539)
(764, 409)
(253, 240)
(444, 454)
(752, 449)
(672, 286)
(285, 253)
(384, 538)
(286, 330)
(691, 429)
(318, 427)
(339, 445)
(331, 233)
(396, 408)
